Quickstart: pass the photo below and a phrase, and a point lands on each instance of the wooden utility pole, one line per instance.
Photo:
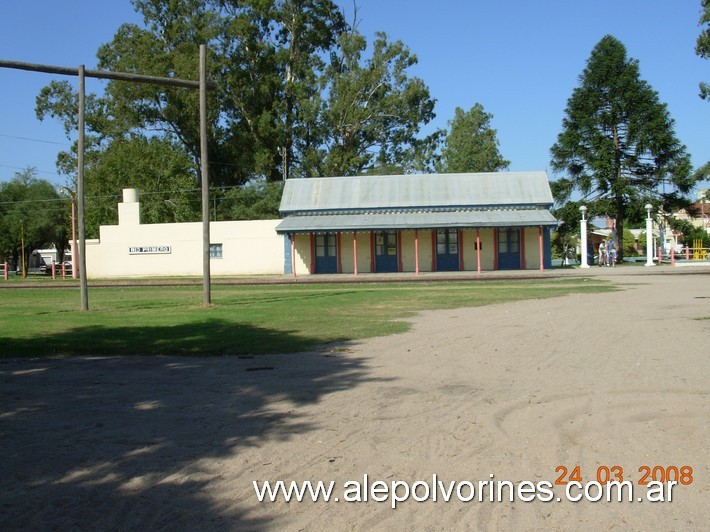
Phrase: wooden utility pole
(206, 289)
(80, 192)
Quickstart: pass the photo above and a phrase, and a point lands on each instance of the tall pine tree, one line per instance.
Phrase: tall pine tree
(618, 145)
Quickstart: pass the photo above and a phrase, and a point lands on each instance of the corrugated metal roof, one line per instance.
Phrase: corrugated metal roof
(416, 220)
(417, 190)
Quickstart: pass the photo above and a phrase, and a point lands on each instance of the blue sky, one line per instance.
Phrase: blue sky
(519, 59)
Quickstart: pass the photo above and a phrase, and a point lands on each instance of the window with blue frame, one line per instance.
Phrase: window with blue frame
(215, 251)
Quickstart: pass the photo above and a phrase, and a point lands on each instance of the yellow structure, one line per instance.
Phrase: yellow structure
(699, 253)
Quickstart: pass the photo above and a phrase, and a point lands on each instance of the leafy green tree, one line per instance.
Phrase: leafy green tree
(563, 245)
(471, 145)
(373, 110)
(257, 200)
(32, 209)
(307, 29)
(118, 157)
(168, 46)
(567, 232)
(158, 168)
(265, 58)
(690, 233)
(618, 145)
(702, 46)
(296, 97)
(702, 173)
(629, 250)
(642, 241)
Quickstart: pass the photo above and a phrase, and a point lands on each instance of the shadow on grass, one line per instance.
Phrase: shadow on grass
(152, 442)
(208, 337)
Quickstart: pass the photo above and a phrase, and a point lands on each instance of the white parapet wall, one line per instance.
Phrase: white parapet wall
(132, 249)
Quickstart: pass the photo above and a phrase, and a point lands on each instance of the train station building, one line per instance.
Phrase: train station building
(369, 224)
(413, 223)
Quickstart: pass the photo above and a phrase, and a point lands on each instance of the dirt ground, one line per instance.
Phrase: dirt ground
(512, 390)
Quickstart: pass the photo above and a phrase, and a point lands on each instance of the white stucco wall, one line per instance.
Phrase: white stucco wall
(532, 248)
(409, 250)
(471, 255)
(347, 252)
(248, 247)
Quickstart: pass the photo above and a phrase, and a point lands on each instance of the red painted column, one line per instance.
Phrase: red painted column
(416, 251)
(355, 252)
(523, 262)
(6, 270)
(54, 270)
(478, 250)
(687, 254)
(542, 253)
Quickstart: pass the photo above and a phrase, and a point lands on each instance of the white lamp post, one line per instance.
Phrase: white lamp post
(583, 230)
(649, 236)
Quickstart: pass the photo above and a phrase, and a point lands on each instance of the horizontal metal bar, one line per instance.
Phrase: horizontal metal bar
(106, 74)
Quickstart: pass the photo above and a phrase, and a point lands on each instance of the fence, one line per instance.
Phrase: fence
(56, 270)
(697, 253)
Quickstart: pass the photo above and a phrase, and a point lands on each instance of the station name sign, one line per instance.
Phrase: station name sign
(149, 250)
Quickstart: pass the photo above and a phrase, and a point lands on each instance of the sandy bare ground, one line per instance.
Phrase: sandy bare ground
(514, 390)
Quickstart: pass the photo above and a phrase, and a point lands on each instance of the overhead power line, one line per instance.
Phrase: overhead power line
(34, 140)
(26, 167)
(118, 196)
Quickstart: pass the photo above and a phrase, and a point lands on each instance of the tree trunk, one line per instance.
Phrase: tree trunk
(619, 224)
(619, 198)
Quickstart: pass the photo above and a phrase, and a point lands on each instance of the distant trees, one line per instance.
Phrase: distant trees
(157, 166)
(256, 200)
(299, 94)
(618, 145)
(471, 145)
(373, 110)
(32, 210)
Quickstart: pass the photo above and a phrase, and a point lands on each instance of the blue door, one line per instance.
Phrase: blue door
(447, 250)
(386, 251)
(509, 249)
(326, 253)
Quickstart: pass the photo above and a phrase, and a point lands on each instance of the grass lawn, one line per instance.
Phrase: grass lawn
(245, 320)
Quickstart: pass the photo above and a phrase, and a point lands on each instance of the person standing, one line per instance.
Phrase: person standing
(602, 253)
(612, 254)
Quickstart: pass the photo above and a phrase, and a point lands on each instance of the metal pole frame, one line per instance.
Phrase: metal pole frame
(203, 85)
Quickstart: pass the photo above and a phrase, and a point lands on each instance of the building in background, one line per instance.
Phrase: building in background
(420, 222)
(374, 224)
(702, 206)
(133, 249)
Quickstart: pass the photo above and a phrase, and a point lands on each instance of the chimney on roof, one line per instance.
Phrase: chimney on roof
(129, 212)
